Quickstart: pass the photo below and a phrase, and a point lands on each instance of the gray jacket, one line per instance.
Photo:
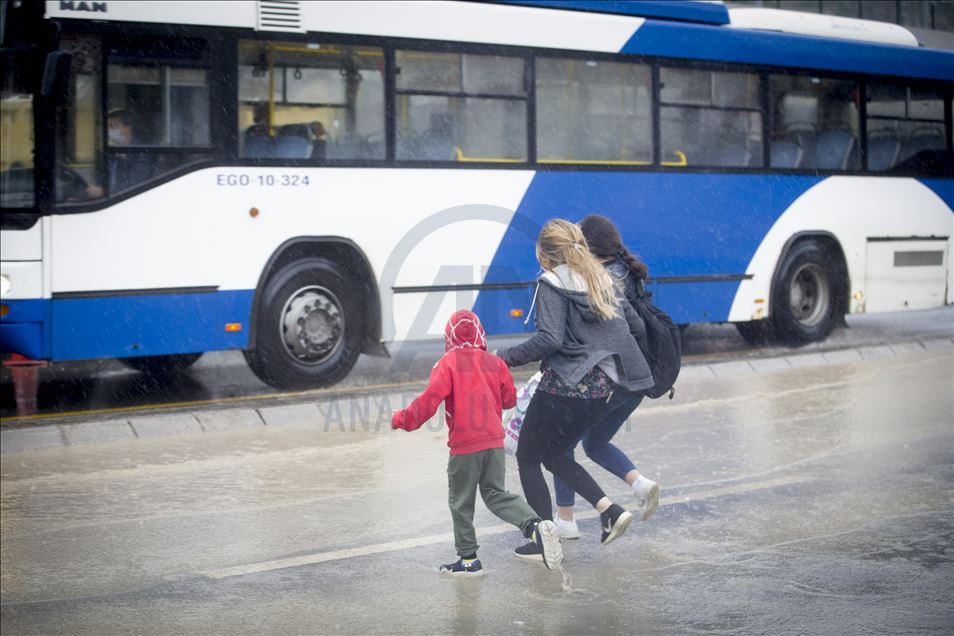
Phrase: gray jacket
(572, 338)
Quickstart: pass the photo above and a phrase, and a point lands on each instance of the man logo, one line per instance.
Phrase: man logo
(91, 7)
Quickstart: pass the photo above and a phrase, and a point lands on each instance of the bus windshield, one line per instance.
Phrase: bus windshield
(17, 144)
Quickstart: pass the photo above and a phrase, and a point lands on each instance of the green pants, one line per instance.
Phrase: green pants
(484, 469)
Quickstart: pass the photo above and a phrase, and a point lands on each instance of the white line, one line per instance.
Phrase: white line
(404, 544)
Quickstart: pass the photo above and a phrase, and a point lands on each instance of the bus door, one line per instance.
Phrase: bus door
(21, 235)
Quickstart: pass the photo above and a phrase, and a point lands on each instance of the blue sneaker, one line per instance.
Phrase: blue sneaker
(474, 568)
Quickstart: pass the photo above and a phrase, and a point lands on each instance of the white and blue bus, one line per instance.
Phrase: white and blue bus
(308, 181)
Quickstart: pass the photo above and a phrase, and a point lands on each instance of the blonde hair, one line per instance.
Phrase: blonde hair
(562, 243)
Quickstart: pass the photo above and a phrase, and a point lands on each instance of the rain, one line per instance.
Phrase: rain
(232, 235)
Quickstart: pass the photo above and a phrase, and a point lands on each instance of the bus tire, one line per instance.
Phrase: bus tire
(161, 365)
(804, 302)
(309, 329)
(755, 332)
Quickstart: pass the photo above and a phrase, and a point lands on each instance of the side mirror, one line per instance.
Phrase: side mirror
(56, 74)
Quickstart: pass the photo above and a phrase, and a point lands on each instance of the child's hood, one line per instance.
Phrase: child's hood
(573, 287)
(464, 330)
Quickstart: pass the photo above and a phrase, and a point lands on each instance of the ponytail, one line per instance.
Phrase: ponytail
(605, 243)
(562, 243)
(636, 266)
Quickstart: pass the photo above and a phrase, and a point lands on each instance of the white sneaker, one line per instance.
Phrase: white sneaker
(567, 529)
(647, 497)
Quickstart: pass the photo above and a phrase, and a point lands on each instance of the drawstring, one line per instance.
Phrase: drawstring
(532, 304)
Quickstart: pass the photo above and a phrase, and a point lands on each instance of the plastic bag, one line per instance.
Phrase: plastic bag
(513, 423)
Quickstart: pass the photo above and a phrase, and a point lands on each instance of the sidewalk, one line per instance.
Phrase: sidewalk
(369, 408)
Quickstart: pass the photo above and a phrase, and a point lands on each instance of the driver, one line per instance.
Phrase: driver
(124, 170)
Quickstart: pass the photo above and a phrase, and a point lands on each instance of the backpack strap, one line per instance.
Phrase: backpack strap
(641, 289)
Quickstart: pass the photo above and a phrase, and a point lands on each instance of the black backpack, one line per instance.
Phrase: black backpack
(663, 344)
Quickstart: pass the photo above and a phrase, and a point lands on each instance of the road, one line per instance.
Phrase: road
(815, 499)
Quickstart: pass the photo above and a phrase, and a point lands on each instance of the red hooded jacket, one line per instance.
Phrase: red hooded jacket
(474, 385)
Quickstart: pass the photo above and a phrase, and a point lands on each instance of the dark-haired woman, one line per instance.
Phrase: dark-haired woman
(628, 272)
(586, 348)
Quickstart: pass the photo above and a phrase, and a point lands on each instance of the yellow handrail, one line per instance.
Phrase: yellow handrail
(459, 155)
(606, 162)
(680, 161)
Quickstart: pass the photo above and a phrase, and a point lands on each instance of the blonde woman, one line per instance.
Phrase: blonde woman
(585, 343)
(628, 273)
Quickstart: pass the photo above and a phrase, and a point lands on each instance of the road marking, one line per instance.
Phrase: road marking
(445, 537)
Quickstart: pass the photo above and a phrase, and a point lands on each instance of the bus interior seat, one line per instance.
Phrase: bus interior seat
(883, 150)
(348, 147)
(732, 155)
(259, 147)
(435, 147)
(292, 147)
(406, 148)
(796, 117)
(925, 138)
(375, 146)
(785, 154)
(830, 150)
(296, 130)
(256, 130)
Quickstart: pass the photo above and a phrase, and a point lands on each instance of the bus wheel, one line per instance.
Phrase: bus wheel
(755, 332)
(161, 365)
(309, 327)
(803, 300)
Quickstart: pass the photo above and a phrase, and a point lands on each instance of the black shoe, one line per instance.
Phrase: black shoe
(530, 551)
(544, 545)
(615, 521)
(458, 567)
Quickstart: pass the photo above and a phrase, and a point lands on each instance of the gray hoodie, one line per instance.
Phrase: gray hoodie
(573, 339)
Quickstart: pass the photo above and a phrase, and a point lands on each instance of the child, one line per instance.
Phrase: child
(475, 386)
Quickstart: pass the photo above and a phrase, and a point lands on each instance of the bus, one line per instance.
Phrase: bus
(310, 181)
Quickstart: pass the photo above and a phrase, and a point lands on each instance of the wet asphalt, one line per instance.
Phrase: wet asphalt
(805, 500)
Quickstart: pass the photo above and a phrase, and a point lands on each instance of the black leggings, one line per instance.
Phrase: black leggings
(552, 426)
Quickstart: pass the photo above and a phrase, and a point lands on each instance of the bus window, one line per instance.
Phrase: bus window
(710, 118)
(168, 106)
(79, 132)
(16, 134)
(593, 111)
(461, 107)
(902, 121)
(310, 101)
(153, 106)
(814, 123)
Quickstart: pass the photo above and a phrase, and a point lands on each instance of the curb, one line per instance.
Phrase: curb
(367, 412)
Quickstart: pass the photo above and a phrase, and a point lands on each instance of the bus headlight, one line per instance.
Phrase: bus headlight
(4, 285)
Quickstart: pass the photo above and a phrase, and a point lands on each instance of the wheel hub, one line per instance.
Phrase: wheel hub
(809, 295)
(312, 324)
